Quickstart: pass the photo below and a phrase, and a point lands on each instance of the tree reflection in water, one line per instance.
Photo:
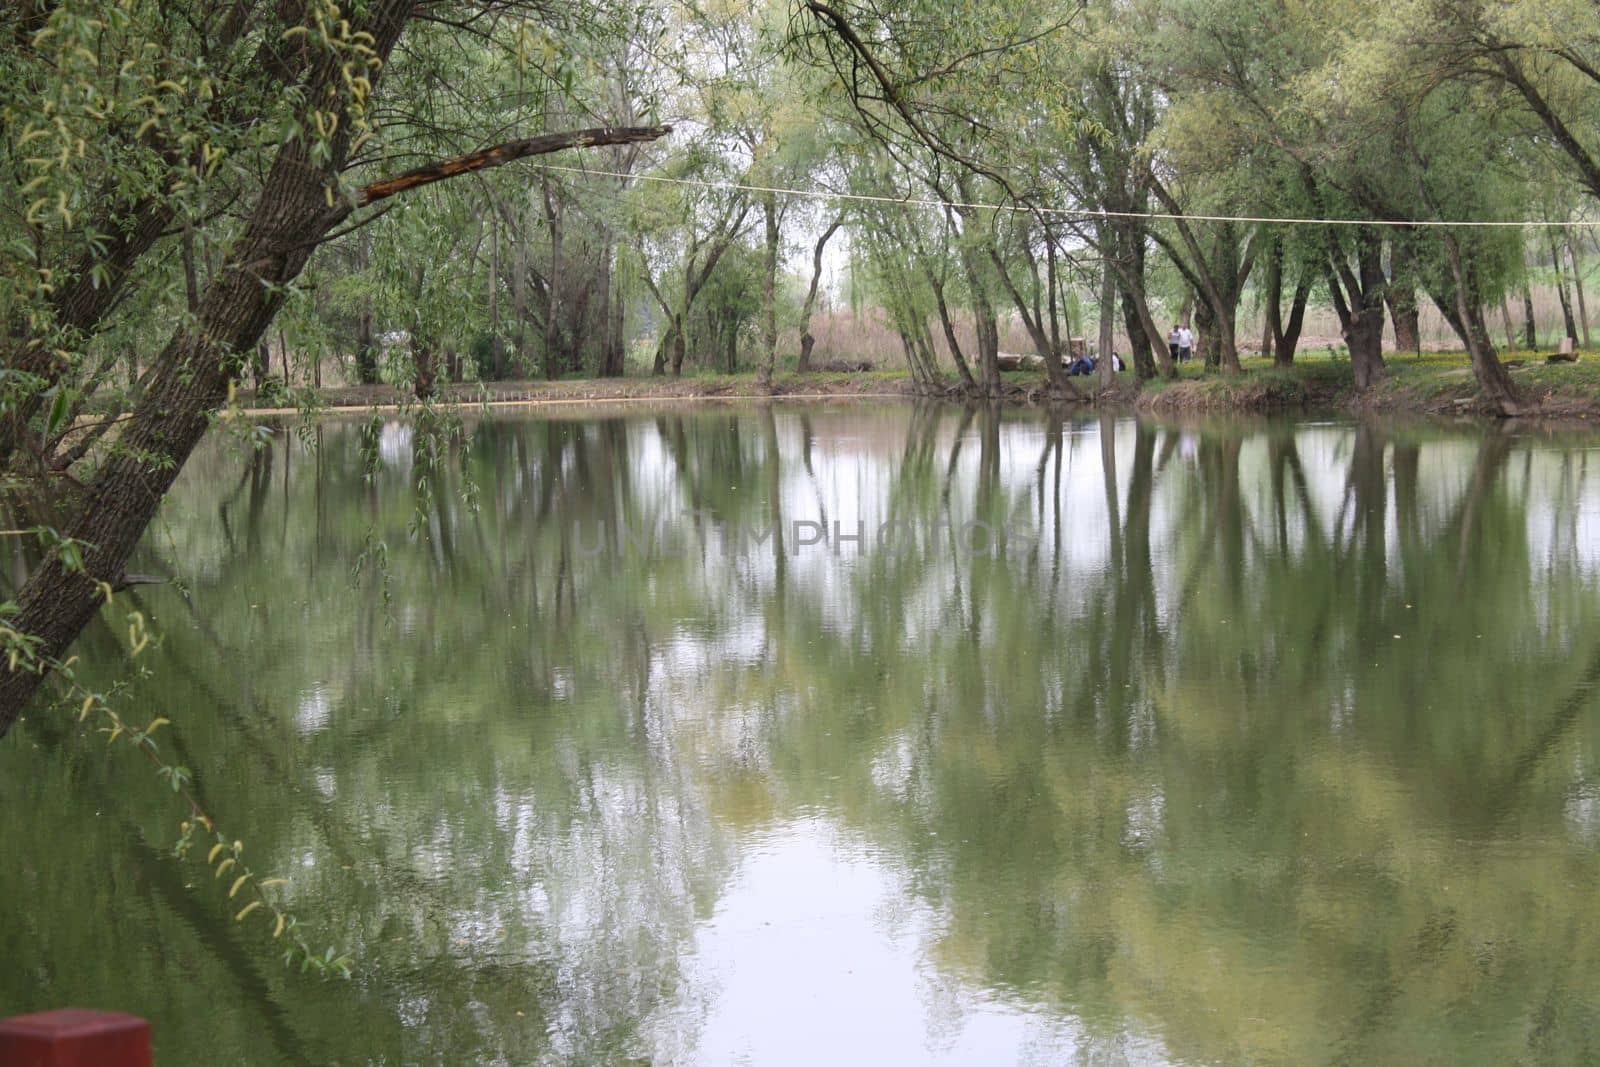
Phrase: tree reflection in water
(1246, 742)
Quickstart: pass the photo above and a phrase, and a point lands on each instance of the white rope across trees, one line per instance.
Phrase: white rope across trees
(1071, 213)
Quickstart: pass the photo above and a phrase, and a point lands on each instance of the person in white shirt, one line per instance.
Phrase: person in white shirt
(1173, 339)
(1185, 344)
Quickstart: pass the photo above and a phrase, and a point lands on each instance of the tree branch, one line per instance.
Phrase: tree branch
(501, 154)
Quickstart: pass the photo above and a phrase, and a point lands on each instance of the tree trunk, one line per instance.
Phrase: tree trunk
(1272, 298)
(612, 351)
(1365, 338)
(422, 362)
(1358, 301)
(519, 309)
(1401, 296)
(1108, 313)
(496, 370)
(1286, 337)
(554, 344)
(1530, 335)
(1407, 321)
(680, 345)
(1140, 345)
(664, 350)
(948, 327)
(769, 289)
(188, 383)
(366, 348)
(1206, 337)
(1033, 322)
(1492, 377)
(1561, 290)
(1133, 287)
(190, 378)
(1577, 288)
(1283, 355)
(806, 340)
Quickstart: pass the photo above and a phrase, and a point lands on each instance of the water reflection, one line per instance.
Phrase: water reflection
(1233, 743)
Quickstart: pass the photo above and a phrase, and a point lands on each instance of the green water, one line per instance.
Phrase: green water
(1224, 744)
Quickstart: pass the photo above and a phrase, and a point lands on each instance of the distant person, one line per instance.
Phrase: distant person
(1175, 342)
(1185, 344)
(1081, 366)
(1117, 364)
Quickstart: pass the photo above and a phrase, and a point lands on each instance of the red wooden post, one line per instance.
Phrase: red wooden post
(73, 1037)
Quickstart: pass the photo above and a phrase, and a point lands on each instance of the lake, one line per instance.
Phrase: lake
(844, 734)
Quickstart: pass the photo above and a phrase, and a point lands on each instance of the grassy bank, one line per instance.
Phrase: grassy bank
(1437, 384)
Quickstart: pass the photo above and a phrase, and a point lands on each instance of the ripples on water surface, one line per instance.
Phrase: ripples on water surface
(1268, 743)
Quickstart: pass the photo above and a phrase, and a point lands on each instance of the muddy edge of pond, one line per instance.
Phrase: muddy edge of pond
(1567, 394)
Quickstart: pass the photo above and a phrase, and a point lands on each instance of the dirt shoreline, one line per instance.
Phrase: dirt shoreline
(1434, 388)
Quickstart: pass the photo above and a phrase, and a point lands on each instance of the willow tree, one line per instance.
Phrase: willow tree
(240, 139)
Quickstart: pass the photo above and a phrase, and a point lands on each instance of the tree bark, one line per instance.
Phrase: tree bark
(1561, 290)
(554, 341)
(1108, 318)
(508, 152)
(496, 370)
(1530, 335)
(1505, 320)
(1358, 301)
(1286, 336)
(1577, 288)
(810, 306)
(1492, 377)
(1401, 296)
(366, 347)
(1033, 322)
(769, 288)
(422, 362)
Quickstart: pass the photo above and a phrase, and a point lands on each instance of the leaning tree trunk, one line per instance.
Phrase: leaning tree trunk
(1285, 343)
(190, 379)
(1493, 379)
(190, 382)
(1505, 320)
